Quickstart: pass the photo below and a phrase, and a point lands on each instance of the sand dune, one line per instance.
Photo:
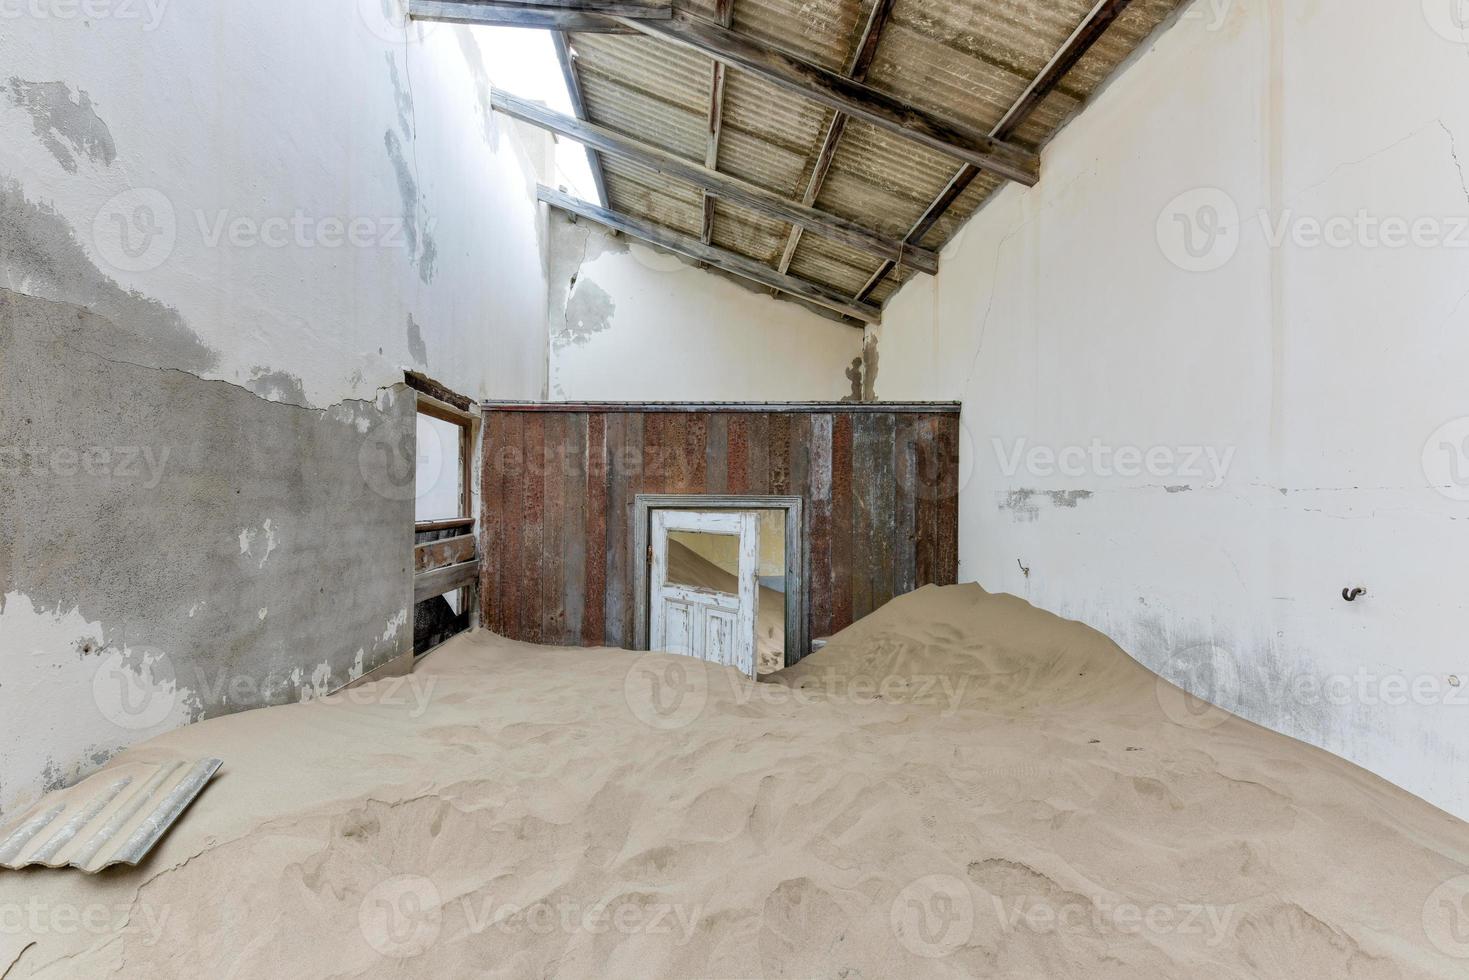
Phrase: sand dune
(959, 786)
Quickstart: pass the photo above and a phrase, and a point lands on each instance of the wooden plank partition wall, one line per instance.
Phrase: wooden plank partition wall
(560, 483)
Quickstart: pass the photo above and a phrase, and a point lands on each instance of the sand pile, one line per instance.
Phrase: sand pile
(959, 786)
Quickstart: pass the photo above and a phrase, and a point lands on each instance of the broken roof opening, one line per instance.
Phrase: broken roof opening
(527, 63)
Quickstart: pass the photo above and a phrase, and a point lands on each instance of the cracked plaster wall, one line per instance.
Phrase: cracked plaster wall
(631, 323)
(1318, 377)
(213, 274)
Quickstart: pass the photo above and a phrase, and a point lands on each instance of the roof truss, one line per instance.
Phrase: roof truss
(718, 258)
(847, 93)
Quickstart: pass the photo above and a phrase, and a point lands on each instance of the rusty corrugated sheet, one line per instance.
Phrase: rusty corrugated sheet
(113, 817)
(964, 60)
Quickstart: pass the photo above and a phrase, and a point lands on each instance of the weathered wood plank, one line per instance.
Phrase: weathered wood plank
(533, 514)
(572, 80)
(439, 554)
(841, 522)
(555, 530)
(716, 453)
(947, 533)
(905, 506)
(819, 495)
(594, 596)
(585, 18)
(512, 574)
(492, 520)
(730, 262)
(442, 580)
(857, 69)
(733, 189)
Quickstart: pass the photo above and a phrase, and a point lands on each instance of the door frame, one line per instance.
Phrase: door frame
(797, 624)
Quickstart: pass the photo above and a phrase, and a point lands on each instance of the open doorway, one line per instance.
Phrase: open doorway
(717, 571)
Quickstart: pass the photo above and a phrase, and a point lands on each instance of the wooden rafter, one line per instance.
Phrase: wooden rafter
(808, 80)
(724, 13)
(857, 70)
(723, 186)
(1091, 29)
(839, 92)
(542, 16)
(579, 106)
(731, 262)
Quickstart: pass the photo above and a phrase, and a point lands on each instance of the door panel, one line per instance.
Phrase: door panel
(715, 626)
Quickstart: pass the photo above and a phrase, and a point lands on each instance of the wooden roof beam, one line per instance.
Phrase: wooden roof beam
(505, 13)
(857, 69)
(579, 106)
(712, 256)
(839, 92)
(1091, 29)
(722, 186)
(724, 13)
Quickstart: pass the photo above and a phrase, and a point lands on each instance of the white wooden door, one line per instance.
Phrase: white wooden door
(695, 620)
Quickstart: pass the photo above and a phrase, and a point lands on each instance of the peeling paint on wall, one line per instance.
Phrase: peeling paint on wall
(278, 386)
(40, 255)
(417, 349)
(421, 245)
(589, 311)
(64, 126)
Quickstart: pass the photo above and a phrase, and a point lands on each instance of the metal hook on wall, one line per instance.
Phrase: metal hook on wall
(1352, 595)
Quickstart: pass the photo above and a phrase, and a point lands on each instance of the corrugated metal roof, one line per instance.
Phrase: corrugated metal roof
(966, 61)
(113, 817)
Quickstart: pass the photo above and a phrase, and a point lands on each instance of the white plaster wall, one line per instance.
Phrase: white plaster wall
(639, 324)
(271, 113)
(1074, 315)
(225, 127)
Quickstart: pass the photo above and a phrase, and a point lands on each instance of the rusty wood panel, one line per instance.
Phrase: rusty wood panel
(594, 589)
(554, 531)
(841, 523)
(818, 483)
(757, 472)
(928, 485)
(737, 471)
(512, 503)
(533, 514)
(779, 453)
(625, 455)
(695, 475)
(905, 506)
(437, 554)
(947, 534)
(716, 454)
(492, 519)
(873, 506)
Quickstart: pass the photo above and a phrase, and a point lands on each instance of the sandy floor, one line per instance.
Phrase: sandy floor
(958, 786)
